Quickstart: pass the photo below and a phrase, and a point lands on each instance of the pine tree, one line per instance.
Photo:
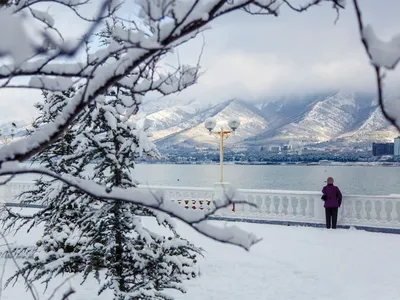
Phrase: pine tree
(94, 237)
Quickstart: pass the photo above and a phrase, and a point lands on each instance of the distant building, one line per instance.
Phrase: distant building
(396, 150)
(275, 148)
(287, 148)
(379, 149)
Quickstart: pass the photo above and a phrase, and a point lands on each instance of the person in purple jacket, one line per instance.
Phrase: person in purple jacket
(333, 200)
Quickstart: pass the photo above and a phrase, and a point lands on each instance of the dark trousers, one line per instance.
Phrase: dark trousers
(331, 217)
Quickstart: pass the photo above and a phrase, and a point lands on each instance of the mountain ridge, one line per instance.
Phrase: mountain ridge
(334, 117)
(330, 119)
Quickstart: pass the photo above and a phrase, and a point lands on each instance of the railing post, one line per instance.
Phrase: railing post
(2, 193)
(7, 192)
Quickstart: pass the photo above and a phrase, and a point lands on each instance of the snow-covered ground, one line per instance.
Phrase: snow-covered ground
(295, 263)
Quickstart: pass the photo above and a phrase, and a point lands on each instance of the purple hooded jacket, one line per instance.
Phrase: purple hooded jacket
(333, 196)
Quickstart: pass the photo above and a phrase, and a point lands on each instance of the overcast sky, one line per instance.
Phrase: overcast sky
(255, 57)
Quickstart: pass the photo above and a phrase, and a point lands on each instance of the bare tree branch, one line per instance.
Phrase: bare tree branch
(29, 285)
(377, 67)
(69, 292)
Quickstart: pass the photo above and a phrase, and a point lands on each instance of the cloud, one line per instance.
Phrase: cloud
(250, 57)
(255, 57)
(17, 104)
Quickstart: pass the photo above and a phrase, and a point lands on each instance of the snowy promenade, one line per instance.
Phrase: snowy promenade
(301, 263)
(285, 207)
(298, 263)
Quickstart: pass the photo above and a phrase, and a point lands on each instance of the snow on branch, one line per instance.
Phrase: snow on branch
(27, 46)
(153, 199)
(382, 55)
(130, 60)
(167, 24)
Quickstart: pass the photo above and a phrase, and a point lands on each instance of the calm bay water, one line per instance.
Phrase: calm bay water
(351, 179)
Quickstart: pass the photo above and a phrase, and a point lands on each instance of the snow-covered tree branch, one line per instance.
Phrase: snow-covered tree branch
(167, 24)
(383, 56)
(152, 199)
(128, 66)
(92, 222)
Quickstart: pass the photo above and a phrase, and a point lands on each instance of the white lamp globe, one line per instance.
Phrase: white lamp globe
(234, 123)
(210, 124)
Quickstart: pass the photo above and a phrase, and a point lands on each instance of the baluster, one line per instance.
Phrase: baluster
(170, 195)
(268, 202)
(167, 197)
(210, 202)
(285, 205)
(368, 209)
(250, 199)
(398, 212)
(378, 210)
(179, 196)
(349, 210)
(277, 204)
(201, 201)
(8, 192)
(256, 210)
(303, 207)
(358, 208)
(342, 211)
(260, 206)
(311, 207)
(192, 200)
(2, 199)
(245, 207)
(388, 210)
(239, 207)
(364, 211)
(293, 207)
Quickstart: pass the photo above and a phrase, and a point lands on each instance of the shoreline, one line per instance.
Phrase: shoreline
(334, 164)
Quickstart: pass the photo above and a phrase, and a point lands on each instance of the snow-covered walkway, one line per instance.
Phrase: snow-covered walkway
(290, 263)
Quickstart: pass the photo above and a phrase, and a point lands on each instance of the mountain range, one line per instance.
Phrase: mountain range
(335, 118)
(327, 119)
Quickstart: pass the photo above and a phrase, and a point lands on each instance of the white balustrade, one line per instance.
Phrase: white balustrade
(190, 197)
(272, 205)
(281, 205)
(11, 191)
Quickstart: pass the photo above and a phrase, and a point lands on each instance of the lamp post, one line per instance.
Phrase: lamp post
(223, 134)
(6, 139)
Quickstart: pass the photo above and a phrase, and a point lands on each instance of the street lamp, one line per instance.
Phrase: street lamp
(223, 134)
(6, 139)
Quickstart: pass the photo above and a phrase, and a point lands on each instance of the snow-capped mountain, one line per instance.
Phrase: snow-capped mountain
(192, 131)
(374, 128)
(337, 117)
(320, 121)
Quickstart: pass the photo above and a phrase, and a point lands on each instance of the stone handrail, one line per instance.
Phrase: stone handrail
(272, 205)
